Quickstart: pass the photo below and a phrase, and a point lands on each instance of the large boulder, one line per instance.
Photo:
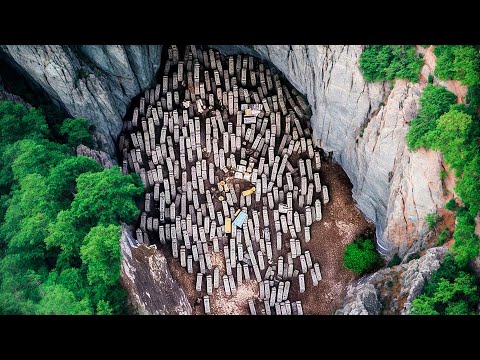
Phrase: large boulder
(147, 279)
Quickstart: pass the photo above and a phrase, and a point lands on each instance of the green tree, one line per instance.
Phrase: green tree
(443, 237)
(66, 233)
(473, 97)
(60, 301)
(419, 129)
(457, 297)
(49, 201)
(361, 256)
(451, 138)
(468, 185)
(458, 62)
(451, 205)
(459, 307)
(374, 61)
(14, 304)
(390, 62)
(62, 181)
(104, 308)
(77, 132)
(432, 220)
(406, 64)
(423, 305)
(466, 245)
(448, 269)
(435, 101)
(115, 295)
(17, 122)
(26, 219)
(36, 156)
(101, 253)
(73, 279)
(26, 157)
(106, 197)
(19, 289)
(444, 64)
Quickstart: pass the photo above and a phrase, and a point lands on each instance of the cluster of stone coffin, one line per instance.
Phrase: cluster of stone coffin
(214, 119)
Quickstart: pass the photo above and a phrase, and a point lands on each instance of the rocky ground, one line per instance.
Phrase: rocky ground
(342, 222)
(390, 291)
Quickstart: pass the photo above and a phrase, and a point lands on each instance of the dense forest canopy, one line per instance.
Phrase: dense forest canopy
(59, 219)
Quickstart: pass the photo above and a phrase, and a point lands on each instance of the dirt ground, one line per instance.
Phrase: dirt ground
(342, 222)
(220, 303)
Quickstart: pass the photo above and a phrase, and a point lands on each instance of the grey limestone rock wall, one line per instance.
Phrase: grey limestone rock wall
(147, 279)
(92, 81)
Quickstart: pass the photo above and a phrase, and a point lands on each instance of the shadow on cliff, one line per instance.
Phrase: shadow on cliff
(15, 81)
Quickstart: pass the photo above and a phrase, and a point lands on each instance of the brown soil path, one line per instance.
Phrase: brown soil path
(342, 222)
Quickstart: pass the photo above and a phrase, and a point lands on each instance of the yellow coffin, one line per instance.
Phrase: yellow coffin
(228, 225)
(248, 191)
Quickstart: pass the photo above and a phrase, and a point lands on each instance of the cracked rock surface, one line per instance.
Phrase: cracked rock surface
(148, 281)
(392, 290)
(92, 81)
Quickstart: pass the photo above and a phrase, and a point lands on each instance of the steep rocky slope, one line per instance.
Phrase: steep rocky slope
(391, 290)
(93, 81)
(147, 279)
(362, 124)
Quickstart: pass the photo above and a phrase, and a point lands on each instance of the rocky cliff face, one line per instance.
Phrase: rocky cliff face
(362, 124)
(395, 185)
(92, 81)
(391, 290)
(99, 156)
(149, 284)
